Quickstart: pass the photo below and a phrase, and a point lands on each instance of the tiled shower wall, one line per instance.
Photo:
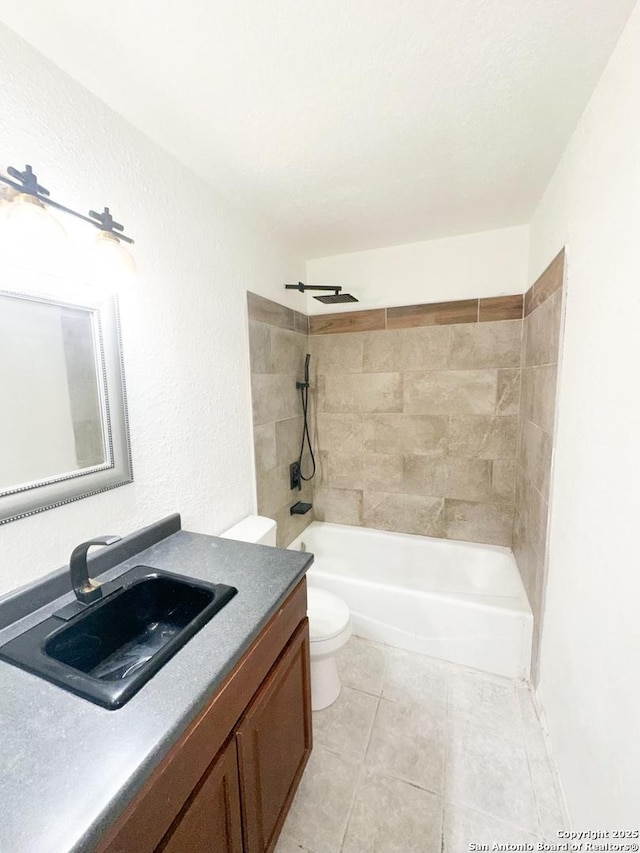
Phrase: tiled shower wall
(278, 343)
(417, 418)
(541, 336)
(431, 419)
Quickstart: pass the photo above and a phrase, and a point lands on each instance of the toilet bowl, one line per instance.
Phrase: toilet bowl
(329, 630)
(329, 617)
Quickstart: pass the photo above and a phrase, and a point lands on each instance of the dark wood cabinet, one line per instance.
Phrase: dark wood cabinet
(274, 743)
(227, 784)
(210, 821)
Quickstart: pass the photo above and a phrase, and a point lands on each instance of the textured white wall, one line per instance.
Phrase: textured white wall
(590, 665)
(490, 263)
(184, 323)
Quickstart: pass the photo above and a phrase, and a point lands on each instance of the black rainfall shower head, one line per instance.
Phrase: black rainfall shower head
(332, 299)
(335, 298)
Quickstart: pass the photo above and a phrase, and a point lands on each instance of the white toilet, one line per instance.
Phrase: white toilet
(253, 528)
(329, 630)
(329, 617)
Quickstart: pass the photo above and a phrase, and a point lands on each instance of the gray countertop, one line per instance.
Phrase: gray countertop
(68, 767)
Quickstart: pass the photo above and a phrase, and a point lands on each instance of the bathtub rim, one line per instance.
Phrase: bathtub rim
(316, 523)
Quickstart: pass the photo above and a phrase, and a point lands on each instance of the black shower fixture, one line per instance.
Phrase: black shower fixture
(334, 298)
(296, 476)
(331, 299)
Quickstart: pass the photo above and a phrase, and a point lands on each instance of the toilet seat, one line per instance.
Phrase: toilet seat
(328, 615)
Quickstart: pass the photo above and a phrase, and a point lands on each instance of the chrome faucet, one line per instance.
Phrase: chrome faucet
(85, 588)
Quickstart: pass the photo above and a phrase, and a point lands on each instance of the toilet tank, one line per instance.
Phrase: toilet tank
(253, 528)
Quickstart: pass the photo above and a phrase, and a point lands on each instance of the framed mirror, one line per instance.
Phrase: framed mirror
(63, 414)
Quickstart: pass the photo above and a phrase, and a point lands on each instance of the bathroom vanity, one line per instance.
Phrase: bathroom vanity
(206, 756)
(228, 782)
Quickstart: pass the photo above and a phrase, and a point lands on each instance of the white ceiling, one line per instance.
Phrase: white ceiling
(350, 124)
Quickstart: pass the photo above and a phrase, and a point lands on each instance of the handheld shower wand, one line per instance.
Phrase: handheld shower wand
(296, 475)
(304, 386)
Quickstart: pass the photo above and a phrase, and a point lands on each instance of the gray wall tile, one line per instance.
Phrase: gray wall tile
(527, 379)
(274, 397)
(336, 353)
(535, 456)
(382, 472)
(288, 435)
(396, 433)
(377, 471)
(341, 506)
(404, 513)
(288, 350)
(541, 340)
(264, 442)
(267, 311)
(479, 522)
(339, 431)
(451, 392)
(277, 361)
(290, 526)
(504, 480)
(425, 348)
(543, 382)
(260, 347)
(365, 392)
(542, 332)
(273, 490)
(341, 470)
(529, 537)
(380, 352)
(486, 344)
(466, 479)
(483, 437)
(508, 393)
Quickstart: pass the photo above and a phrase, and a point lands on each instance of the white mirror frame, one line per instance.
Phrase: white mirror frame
(20, 501)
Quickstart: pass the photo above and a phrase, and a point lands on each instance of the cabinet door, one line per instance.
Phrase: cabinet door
(274, 744)
(210, 820)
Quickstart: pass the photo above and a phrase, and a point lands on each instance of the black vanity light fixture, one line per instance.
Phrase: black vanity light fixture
(29, 194)
(336, 297)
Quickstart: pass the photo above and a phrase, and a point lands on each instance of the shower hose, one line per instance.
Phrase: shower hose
(304, 394)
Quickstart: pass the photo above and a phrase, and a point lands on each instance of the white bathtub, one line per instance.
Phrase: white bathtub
(457, 601)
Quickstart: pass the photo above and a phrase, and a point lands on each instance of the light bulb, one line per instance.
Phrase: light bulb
(29, 234)
(113, 264)
(27, 214)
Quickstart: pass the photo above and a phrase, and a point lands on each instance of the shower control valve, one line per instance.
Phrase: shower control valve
(295, 477)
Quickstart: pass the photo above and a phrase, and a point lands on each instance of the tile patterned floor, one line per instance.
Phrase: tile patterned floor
(422, 756)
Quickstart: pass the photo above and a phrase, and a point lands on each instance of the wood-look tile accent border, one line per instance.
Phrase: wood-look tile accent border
(350, 321)
(402, 317)
(500, 308)
(410, 316)
(433, 314)
(546, 285)
(266, 311)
